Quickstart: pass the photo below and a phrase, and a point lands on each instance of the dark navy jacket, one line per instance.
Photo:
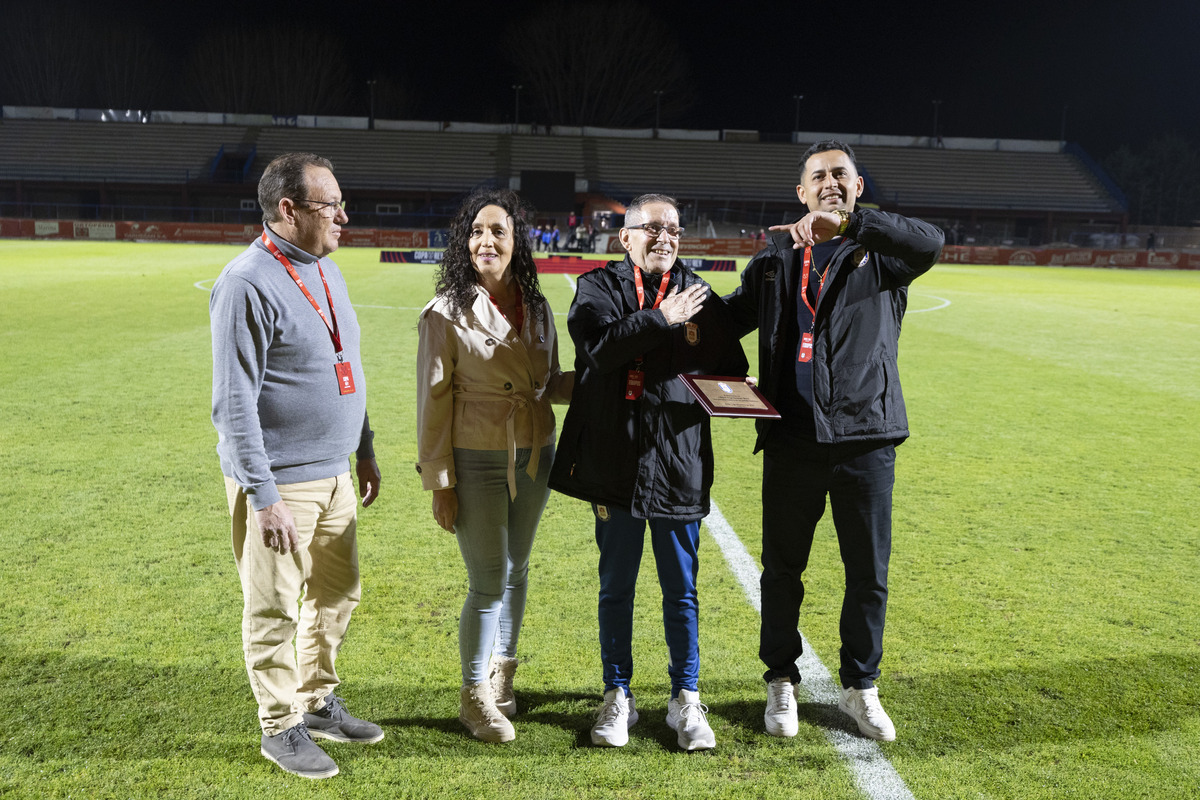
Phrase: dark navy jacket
(653, 456)
(856, 383)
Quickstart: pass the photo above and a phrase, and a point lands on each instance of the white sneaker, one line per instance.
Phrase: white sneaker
(614, 719)
(477, 711)
(781, 717)
(688, 717)
(501, 678)
(863, 705)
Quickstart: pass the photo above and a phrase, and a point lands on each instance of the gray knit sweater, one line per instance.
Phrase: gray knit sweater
(276, 406)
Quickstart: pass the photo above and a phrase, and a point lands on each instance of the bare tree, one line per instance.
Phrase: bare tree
(131, 69)
(1160, 178)
(47, 55)
(280, 71)
(614, 64)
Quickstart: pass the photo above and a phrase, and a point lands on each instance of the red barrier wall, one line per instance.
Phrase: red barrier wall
(189, 232)
(1073, 257)
(709, 248)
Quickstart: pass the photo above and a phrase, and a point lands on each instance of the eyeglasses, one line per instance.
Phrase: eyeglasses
(654, 230)
(327, 208)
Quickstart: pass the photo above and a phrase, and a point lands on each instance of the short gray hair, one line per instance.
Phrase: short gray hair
(284, 177)
(634, 209)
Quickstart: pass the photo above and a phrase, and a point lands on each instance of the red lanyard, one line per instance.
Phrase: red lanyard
(334, 336)
(641, 291)
(519, 322)
(804, 282)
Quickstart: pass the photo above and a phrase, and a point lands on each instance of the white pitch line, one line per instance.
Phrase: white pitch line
(873, 773)
(570, 280)
(945, 303)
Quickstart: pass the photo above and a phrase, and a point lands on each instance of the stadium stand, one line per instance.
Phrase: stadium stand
(426, 169)
(984, 179)
(53, 150)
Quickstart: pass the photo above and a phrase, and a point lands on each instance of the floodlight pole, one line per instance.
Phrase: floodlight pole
(657, 109)
(796, 126)
(371, 92)
(517, 107)
(937, 104)
(1062, 128)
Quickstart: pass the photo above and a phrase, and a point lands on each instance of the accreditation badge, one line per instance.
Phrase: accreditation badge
(806, 343)
(345, 377)
(635, 383)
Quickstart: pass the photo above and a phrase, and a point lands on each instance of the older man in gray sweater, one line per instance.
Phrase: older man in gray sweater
(289, 405)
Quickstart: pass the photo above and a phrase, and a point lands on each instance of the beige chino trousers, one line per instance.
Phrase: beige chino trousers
(303, 597)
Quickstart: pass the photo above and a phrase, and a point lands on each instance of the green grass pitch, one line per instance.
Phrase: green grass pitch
(1044, 630)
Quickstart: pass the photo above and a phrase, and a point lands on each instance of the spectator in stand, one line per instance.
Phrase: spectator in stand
(547, 236)
(486, 376)
(554, 238)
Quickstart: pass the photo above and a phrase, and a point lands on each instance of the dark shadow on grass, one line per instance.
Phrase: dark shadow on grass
(119, 709)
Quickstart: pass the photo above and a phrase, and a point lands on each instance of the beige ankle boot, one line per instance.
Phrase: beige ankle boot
(501, 679)
(478, 712)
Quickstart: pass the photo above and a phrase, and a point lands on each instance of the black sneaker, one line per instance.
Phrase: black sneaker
(334, 722)
(295, 752)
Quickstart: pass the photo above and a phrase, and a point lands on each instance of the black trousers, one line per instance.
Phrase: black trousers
(858, 478)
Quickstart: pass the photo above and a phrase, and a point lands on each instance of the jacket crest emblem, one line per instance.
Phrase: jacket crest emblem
(692, 333)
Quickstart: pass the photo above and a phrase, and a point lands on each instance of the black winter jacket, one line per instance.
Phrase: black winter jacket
(856, 383)
(653, 456)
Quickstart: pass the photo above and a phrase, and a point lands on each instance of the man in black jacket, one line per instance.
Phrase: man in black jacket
(827, 298)
(636, 445)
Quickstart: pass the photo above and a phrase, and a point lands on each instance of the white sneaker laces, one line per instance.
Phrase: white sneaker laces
(781, 696)
(609, 712)
(689, 710)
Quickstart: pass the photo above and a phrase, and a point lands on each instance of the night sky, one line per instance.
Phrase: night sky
(1125, 71)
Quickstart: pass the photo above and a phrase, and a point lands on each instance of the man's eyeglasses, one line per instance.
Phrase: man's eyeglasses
(654, 230)
(327, 208)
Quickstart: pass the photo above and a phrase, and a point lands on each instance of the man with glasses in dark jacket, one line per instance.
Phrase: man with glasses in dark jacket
(827, 297)
(637, 446)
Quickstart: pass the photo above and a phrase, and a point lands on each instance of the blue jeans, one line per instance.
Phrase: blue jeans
(674, 542)
(495, 536)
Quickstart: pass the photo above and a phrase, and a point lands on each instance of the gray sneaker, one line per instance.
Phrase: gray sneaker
(334, 722)
(295, 752)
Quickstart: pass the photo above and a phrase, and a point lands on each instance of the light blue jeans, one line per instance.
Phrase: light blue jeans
(495, 536)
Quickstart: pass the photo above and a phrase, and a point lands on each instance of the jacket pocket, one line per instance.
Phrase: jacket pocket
(860, 397)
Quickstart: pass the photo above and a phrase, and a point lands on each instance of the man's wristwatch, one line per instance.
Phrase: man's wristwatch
(845, 215)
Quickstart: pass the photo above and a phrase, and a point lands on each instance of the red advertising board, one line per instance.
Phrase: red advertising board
(102, 230)
(201, 232)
